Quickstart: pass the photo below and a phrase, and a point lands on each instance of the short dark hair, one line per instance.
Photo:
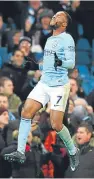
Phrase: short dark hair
(69, 19)
(86, 125)
(3, 79)
(16, 51)
(4, 95)
(16, 31)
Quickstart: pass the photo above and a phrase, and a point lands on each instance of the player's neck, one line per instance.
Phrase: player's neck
(58, 31)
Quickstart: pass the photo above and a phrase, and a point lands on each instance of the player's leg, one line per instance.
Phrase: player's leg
(58, 104)
(36, 99)
(28, 112)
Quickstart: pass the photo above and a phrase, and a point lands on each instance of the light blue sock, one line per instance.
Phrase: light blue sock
(65, 136)
(24, 129)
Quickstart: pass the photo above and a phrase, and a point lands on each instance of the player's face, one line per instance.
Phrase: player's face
(57, 20)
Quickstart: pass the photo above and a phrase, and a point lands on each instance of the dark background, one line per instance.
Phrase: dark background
(84, 14)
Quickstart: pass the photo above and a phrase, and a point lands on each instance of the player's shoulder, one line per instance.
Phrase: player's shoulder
(50, 37)
(67, 36)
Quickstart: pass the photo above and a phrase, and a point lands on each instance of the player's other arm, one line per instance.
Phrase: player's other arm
(67, 54)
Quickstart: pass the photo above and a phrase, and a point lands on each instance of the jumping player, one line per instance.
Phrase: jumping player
(59, 56)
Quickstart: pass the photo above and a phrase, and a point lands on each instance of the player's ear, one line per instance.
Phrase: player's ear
(64, 24)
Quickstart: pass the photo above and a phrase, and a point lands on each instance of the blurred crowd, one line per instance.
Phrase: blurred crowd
(46, 155)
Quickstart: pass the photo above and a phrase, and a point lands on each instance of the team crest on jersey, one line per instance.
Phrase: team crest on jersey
(55, 44)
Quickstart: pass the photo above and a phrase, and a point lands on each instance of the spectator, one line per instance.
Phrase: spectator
(31, 168)
(33, 78)
(75, 74)
(13, 43)
(76, 117)
(5, 167)
(90, 99)
(4, 120)
(81, 112)
(28, 10)
(74, 89)
(16, 71)
(43, 30)
(10, 39)
(6, 86)
(30, 13)
(71, 106)
(75, 5)
(45, 18)
(25, 45)
(12, 124)
(3, 27)
(5, 104)
(81, 101)
(16, 38)
(55, 167)
(89, 109)
(70, 110)
(66, 5)
(49, 138)
(8, 130)
(85, 141)
(2, 24)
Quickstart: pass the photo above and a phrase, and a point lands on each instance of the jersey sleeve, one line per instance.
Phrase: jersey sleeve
(66, 53)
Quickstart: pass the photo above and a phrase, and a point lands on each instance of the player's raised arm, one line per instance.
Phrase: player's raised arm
(67, 52)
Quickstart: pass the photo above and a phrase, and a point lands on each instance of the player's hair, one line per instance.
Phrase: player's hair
(2, 81)
(69, 19)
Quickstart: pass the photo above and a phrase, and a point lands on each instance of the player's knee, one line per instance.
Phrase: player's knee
(26, 113)
(56, 125)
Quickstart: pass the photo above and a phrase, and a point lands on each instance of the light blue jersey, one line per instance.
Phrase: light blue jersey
(64, 47)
